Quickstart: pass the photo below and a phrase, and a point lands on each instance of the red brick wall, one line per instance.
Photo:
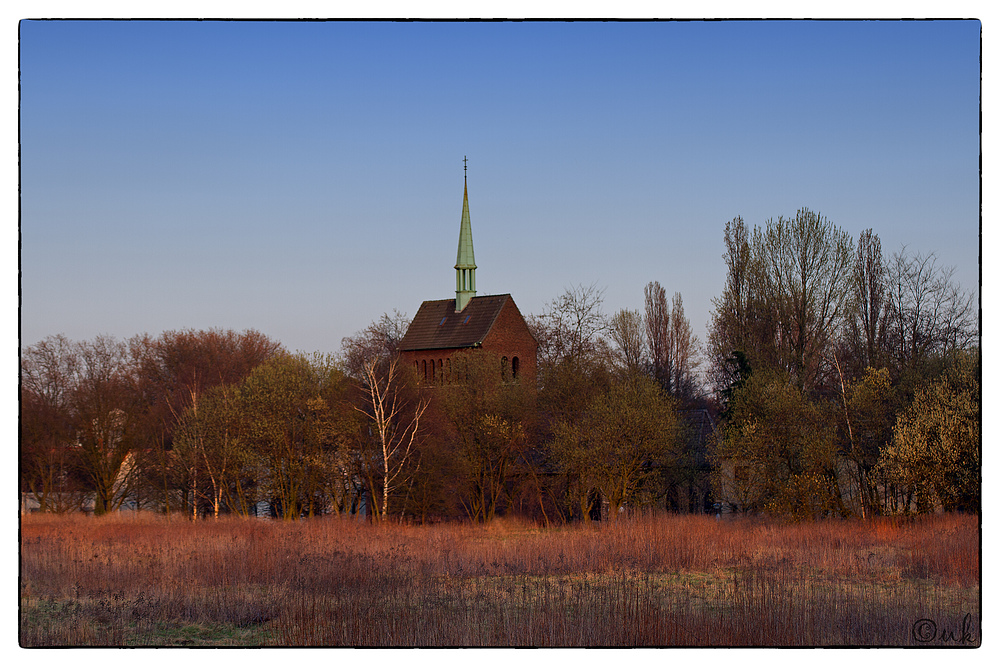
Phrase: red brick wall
(511, 338)
(423, 359)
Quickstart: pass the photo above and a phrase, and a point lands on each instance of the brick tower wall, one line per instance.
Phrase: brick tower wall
(510, 337)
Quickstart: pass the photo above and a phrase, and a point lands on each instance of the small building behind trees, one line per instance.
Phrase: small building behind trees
(491, 323)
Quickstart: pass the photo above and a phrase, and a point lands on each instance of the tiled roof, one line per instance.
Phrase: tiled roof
(437, 326)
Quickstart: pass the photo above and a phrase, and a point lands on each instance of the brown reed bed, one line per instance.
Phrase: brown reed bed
(658, 580)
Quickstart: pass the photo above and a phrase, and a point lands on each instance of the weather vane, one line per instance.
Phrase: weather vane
(465, 167)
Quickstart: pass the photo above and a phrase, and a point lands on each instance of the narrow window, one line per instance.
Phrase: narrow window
(440, 377)
(503, 369)
(424, 363)
(448, 374)
(515, 366)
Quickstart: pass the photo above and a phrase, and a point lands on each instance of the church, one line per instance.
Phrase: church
(493, 323)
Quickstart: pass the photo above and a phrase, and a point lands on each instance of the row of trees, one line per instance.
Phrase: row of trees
(597, 433)
(840, 383)
(212, 422)
(848, 383)
(99, 416)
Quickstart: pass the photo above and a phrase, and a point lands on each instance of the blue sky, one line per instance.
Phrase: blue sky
(304, 178)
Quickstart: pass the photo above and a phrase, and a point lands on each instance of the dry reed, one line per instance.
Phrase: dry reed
(661, 580)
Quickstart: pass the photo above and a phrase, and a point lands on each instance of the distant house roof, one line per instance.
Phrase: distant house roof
(437, 326)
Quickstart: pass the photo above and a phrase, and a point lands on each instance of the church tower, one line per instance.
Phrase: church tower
(465, 266)
(490, 326)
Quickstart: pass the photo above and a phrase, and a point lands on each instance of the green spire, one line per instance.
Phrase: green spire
(465, 265)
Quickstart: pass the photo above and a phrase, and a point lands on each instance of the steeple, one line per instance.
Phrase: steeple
(465, 266)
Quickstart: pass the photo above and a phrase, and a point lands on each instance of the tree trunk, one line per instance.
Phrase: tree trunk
(194, 494)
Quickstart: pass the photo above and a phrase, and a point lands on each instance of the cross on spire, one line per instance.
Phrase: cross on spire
(465, 166)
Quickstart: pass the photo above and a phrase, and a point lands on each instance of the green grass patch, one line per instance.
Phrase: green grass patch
(206, 634)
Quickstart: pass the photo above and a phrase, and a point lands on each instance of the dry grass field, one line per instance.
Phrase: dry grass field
(664, 580)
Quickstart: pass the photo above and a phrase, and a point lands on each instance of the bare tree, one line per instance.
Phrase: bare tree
(869, 305)
(48, 368)
(378, 341)
(178, 366)
(626, 330)
(737, 330)
(928, 312)
(786, 298)
(672, 346)
(807, 264)
(394, 425)
(208, 437)
(571, 326)
(107, 409)
(658, 334)
(47, 456)
(684, 351)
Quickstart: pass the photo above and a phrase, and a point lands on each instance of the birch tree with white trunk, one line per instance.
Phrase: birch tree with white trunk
(394, 423)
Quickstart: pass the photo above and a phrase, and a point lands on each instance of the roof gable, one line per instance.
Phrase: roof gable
(437, 326)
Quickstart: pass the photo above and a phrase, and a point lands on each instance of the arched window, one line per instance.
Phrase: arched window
(515, 366)
(440, 375)
(504, 370)
(424, 364)
(447, 379)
